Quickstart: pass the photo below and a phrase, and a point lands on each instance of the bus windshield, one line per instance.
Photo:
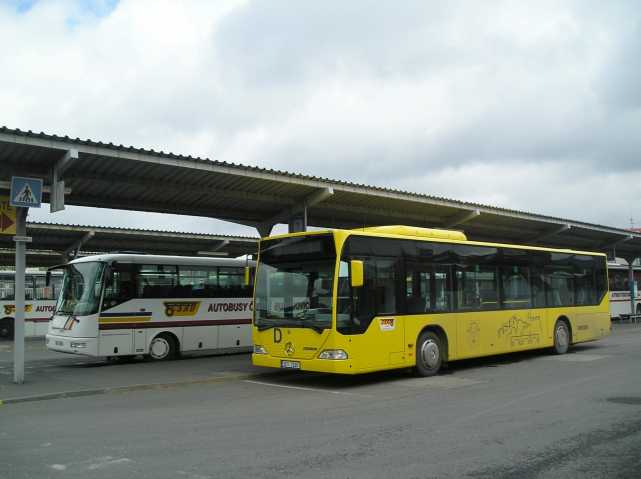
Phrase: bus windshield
(295, 283)
(81, 289)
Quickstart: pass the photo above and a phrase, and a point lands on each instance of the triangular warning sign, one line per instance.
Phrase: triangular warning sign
(5, 222)
(25, 195)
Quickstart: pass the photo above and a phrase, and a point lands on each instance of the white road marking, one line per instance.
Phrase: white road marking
(107, 461)
(575, 358)
(45, 444)
(300, 388)
(58, 467)
(437, 382)
(193, 476)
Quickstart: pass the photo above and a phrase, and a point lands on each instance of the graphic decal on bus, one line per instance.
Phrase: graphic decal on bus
(229, 307)
(11, 308)
(520, 331)
(473, 333)
(181, 308)
(125, 317)
(387, 324)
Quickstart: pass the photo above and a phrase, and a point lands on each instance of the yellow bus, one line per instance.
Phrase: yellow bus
(357, 301)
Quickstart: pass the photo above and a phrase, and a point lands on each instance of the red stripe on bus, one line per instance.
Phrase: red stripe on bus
(173, 324)
(37, 320)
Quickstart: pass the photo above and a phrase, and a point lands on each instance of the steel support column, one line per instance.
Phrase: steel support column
(18, 322)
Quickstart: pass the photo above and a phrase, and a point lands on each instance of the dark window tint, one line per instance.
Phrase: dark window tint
(619, 280)
(157, 281)
(516, 281)
(560, 280)
(427, 288)
(7, 287)
(476, 288)
(120, 285)
(377, 296)
(584, 280)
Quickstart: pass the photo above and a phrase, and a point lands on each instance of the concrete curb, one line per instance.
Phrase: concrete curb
(119, 389)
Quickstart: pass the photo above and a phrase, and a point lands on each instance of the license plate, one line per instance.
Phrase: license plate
(290, 364)
(59, 343)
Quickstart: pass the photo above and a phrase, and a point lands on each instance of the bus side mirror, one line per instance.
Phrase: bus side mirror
(247, 275)
(48, 278)
(356, 273)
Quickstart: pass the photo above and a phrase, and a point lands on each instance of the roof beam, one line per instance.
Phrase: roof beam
(358, 215)
(180, 188)
(461, 218)
(133, 232)
(63, 164)
(220, 245)
(75, 248)
(265, 227)
(6, 185)
(553, 232)
(57, 196)
(614, 244)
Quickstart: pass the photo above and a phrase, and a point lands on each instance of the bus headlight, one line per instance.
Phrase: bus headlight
(258, 349)
(333, 354)
(78, 345)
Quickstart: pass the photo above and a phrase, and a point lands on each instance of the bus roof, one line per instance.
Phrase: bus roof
(163, 259)
(438, 235)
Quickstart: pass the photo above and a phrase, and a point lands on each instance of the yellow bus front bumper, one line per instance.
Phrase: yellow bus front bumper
(318, 365)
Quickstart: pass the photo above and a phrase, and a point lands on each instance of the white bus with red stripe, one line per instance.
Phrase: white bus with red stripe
(618, 274)
(160, 306)
(40, 302)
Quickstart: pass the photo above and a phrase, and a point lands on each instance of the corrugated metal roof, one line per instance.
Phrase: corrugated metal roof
(125, 177)
(51, 241)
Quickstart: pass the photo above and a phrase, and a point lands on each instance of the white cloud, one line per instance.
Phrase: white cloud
(527, 106)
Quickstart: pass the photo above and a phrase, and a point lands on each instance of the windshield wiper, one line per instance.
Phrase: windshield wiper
(290, 323)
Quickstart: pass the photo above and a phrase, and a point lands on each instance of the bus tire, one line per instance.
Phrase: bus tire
(163, 347)
(429, 354)
(6, 328)
(561, 336)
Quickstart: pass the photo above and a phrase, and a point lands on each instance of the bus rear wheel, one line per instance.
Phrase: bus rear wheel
(429, 354)
(561, 337)
(162, 347)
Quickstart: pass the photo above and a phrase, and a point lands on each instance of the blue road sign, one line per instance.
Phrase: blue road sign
(25, 192)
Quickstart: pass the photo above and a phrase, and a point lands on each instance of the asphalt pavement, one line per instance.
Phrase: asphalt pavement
(526, 415)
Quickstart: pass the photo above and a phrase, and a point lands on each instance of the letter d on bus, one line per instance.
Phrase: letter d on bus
(278, 335)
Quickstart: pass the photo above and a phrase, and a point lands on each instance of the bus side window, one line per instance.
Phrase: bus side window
(156, 281)
(7, 287)
(516, 287)
(231, 282)
(119, 286)
(418, 280)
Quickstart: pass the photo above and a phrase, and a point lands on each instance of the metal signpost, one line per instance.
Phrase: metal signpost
(25, 193)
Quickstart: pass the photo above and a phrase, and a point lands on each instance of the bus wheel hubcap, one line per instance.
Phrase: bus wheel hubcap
(430, 353)
(159, 348)
(561, 337)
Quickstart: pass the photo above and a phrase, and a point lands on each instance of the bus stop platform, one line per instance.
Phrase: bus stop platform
(51, 375)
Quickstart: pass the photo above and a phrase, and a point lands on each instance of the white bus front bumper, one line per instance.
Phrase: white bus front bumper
(66, 344)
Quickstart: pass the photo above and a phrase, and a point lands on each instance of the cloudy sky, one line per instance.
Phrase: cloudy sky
(533, 106)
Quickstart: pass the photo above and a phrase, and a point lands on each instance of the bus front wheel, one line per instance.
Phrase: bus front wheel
(561, 337)
(429, 354)
(162, 347)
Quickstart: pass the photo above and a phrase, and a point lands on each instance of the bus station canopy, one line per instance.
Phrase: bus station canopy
(55, 243)
(106, 175)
